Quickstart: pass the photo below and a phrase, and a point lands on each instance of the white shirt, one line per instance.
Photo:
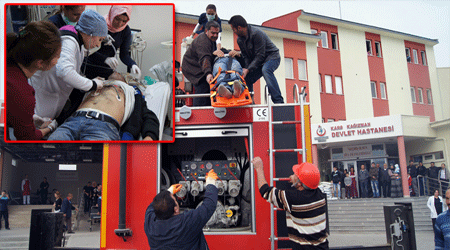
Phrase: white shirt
(432, 208)
(443, 174)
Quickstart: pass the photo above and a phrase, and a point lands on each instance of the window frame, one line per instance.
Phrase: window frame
(330, 84)
(378, 47)
(373, 85)
(335, 43)
(383, 94)
(423, 55)
(429, 97)
(320, 83)
(420, 95)
(305, 68)
(330, 120)
(316, 31)
(370, 49)
(416, 56)
(340, 85)
(322, 32)
(291, 68)
(412, 90)
(408, 53)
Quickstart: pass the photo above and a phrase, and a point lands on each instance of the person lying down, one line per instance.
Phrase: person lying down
(229, 84)
(115, 112)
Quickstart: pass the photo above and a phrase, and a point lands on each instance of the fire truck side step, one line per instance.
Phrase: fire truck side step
(287, 150)
(281, 238)
(286, 122)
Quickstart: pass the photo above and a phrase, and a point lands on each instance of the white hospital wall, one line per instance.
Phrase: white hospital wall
(436, 96)
(227, 37)
(397, 76)
(156, 23)
(313, 80)
(304, 25)
(355, 74)
(443, 92)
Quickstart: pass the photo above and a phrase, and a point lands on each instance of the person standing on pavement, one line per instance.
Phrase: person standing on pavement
(413, 173)
(4, 199)
(261, 56)
(167, 228)
(43, 189)
(26, 190)
(444, 176)
(67, 208)
(373, 173)
(433, 173)
(442, 227)
(336, 178)
(436, 205)
(305, 207)
(385, 177)
(364, 181)
(198, 61)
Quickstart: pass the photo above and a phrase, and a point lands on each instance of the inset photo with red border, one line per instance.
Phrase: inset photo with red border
(94, 72)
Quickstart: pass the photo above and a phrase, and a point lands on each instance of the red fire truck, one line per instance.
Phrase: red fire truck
(225, 139)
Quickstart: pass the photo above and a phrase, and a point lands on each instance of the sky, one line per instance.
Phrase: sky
(430, 19)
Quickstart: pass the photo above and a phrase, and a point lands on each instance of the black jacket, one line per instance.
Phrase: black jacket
(336, 176)
(198, 59)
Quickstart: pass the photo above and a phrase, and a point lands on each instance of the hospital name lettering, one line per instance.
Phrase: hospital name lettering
(365, 131)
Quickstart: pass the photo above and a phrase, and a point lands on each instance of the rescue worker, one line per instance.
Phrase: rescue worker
(198, 62)
(166, 228)
(305, 207)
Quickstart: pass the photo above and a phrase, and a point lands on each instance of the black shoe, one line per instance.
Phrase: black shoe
(71, 232)
(8, 228)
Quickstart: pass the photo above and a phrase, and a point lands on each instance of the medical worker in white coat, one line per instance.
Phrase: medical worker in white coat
(436, 205)
(53, 87)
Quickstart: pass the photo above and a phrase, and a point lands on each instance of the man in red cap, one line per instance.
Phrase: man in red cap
(305, 206)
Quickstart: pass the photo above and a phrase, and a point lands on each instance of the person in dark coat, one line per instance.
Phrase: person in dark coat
(67, 208)
(4, 199)
(433, 172)
(43, 189)
(167, 228)
(198, 61)
(413, 172)
(385, 178)
(422, 171)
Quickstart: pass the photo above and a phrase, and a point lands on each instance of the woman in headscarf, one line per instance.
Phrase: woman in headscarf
(396, 182)
(209, 15)
(53, 87)
(36, 47)
(104, 62)
(67, 15)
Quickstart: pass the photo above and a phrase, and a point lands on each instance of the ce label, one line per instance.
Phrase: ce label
(260, 114)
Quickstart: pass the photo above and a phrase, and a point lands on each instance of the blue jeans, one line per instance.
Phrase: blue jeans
(85, 129)
(422, 186)
(364, 189)
(337, 190)
(222, 63)
(376, 193)
(267, 72)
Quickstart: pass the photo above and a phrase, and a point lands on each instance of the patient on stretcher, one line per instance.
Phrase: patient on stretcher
(117, 111)
(229, 84)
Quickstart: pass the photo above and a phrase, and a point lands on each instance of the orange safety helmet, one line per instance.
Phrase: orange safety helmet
(308, 174)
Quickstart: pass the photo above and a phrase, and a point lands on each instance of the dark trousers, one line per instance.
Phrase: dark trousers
(43, 198)
(385, 187)
(433, 221)
(444, 186)
(4, 214)
(87, 203)
(68, 223)
(202, 87)
(364, 188)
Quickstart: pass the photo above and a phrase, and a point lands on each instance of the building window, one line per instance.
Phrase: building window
(334, 41)
(328, 84)
(302, 70)
(408, 55)
(314, 32)
(289, 68)
(413, 95)
(378, 49)
(424, 58)
(324, 37)
(323, 120)
(373, 87)
(416, 58)
(338, 83)
(429, 100)
(383, 90)
(369, 47)
(420, 95)
(320, 83)
(330, 120)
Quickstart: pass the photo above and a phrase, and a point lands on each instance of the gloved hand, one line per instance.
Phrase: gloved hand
(135, 70)
(38, 121)
(175, 188)
(189, 40)
(109, 40)
(211, 177)
(53, 125)
(112, 62)
(99, 82)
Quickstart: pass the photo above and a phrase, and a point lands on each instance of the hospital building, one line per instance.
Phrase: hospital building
(375, 94)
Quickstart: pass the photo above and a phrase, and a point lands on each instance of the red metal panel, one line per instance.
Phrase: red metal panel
(419, 77)
(206, 116)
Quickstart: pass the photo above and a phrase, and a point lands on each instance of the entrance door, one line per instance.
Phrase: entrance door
(366, 164)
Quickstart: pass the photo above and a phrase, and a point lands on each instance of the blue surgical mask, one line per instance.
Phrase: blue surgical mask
(210, 17)
(67, 21)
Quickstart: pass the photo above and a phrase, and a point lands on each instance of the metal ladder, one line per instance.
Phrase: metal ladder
(299, 99)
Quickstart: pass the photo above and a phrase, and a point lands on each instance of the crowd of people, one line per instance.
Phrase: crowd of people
(386, 181)
(56, 79)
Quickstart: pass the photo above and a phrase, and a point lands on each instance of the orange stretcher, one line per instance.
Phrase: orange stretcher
(223, 102)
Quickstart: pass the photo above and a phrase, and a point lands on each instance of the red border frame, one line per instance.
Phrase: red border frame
(134, 141)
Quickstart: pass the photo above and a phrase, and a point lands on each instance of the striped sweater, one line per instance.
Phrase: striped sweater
(305, 214)
(442, 231)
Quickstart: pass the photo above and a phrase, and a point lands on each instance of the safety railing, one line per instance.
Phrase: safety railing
(426, 186)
